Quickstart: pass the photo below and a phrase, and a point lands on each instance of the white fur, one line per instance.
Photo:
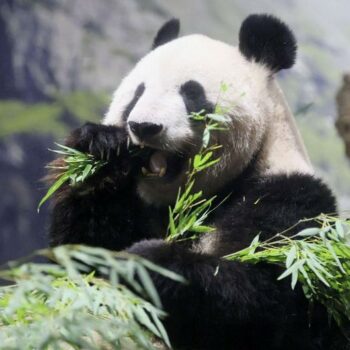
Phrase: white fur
(260, 117)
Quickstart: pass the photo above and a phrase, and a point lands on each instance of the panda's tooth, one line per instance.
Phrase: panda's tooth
(142, 145)
(162, 172)
(144, 171)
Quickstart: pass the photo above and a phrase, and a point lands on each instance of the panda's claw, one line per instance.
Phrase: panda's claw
(127, 142)
(162, 172)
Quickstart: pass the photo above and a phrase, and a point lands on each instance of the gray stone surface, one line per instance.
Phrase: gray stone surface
(65, 45)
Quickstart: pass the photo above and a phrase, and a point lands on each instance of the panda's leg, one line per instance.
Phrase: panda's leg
(103, 211)
(227, 305)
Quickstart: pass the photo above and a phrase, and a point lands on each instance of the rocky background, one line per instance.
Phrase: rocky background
(60, 60)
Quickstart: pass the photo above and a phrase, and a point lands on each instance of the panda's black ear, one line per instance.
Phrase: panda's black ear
(167, 32)
(267, 40)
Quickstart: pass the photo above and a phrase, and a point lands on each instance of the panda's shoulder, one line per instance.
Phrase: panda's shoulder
(269, 197)
(297, 187)
(303, 195)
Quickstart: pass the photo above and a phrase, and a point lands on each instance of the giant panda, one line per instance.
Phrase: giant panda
(263, 167)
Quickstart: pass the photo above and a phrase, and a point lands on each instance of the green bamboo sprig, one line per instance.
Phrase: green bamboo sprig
(318, 258)
(78, 167)
(191, 209)
(55, 306)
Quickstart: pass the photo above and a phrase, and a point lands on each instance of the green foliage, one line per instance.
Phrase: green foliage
(188, 214)
(53, 306)
(191, 209)
(318, 258)
(18, 117)
(83, 105)
(79, 167)
(48, 118)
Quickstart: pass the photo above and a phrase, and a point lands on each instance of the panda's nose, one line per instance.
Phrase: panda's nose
(145, 130)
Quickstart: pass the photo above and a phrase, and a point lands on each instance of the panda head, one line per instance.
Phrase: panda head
(184, 75)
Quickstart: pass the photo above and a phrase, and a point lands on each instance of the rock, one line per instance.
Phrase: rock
(63, 45)
(343, 106)
(22, 160)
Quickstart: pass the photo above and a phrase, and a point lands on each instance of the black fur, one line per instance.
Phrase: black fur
(168, 32)
(102, 141)
(226, 305)
(138, 93)
(98, 212)
(267, 40)
(230, 305)
(238, 306)
(194, 97)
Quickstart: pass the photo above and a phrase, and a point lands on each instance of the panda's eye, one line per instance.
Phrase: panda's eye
(192, 90)
(194, 97)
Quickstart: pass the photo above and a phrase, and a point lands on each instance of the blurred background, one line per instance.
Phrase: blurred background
(60, 60)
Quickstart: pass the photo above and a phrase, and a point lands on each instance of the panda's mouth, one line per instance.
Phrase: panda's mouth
(159, 164)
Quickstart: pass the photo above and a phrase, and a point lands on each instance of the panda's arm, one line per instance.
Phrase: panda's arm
(236, 305)
(104, 210)
(267, 206)
(225, 305)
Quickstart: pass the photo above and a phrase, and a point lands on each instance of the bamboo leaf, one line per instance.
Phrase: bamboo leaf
(208, 165)
(317, 273)
(172, 226)
(335, 257)
(206, 157)
(206, 137)
(255, 241)
(64, 178)
(339, 229)
(161, 329)
(291, 256)
(312, 231)
(202, 229)
(292, 269)
(86, 172)
(306, 276)
(148, 285)
(295, 275)
(221, 118)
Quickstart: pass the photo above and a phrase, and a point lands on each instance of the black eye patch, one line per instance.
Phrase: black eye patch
(138, 93)
(194, 97)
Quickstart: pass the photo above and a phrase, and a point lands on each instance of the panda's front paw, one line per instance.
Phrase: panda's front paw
(102, 141)
(109, 143)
